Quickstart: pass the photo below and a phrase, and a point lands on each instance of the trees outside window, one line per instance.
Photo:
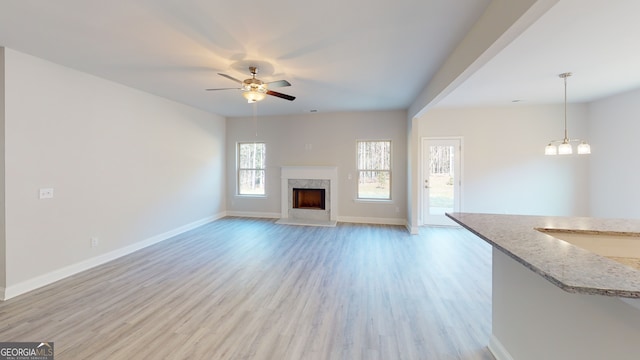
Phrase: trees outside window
(251, 168)
(374, 169)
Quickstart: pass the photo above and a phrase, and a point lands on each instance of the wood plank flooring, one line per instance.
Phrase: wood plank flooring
(243, 288)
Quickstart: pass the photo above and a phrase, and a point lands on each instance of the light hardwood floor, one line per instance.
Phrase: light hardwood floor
(250, 289)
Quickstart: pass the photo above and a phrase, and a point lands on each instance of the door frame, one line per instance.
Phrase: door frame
(422, 162)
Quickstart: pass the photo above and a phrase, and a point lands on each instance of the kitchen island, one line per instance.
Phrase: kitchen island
(553, 299)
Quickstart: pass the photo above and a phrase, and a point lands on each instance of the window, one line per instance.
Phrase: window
(251, 168)
(374, 170)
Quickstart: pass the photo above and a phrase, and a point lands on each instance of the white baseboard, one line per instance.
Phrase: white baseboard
(413, 230)
(59, 274)
(254, 214)
(349, 219)
(498, 350)
(372, 220)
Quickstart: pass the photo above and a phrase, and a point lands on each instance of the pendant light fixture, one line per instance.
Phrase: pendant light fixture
(564, 147)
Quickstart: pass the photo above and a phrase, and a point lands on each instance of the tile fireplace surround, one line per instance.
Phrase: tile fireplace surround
(309, 177)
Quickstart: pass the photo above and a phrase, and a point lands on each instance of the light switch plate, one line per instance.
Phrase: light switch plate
(46, 193)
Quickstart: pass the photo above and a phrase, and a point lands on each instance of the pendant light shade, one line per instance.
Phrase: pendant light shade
(584, 148)
(565, 147)
(550, 150)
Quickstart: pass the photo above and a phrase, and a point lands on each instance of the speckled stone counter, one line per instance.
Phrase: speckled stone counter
(569, 267)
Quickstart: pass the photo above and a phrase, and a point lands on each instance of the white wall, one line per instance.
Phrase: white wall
(126, 167)
(3, 246)
(413, 180)
(614, 171)
(332, 137)
(504, 166)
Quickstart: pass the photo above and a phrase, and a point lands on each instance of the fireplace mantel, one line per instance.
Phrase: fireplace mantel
(311, 173)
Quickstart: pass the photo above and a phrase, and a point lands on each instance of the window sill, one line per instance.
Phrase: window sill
(249, 196)
(373, 201)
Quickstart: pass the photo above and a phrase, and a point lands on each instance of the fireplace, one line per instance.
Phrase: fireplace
(309, 195)
(312, 199)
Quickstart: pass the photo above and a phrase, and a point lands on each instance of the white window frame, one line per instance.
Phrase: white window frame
(239, 169)
(359, 170)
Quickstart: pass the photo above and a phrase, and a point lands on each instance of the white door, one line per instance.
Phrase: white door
(441, 164)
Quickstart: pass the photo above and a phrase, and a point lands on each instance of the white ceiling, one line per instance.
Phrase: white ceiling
(338, 55)
(596, 40)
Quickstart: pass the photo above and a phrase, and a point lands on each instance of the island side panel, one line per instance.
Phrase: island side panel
(533, 319)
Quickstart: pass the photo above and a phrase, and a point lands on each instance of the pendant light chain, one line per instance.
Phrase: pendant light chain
(255, 117)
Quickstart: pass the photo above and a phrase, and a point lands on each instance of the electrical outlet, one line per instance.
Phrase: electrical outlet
(94, 242)
(46, 193)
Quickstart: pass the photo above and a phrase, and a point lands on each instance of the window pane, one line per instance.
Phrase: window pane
(374, 155)
(441, 189)
(251, 164)
(252, 156)
(374, 169)
(374, 184)
(251, 182)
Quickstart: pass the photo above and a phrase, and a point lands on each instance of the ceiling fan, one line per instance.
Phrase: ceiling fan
(254, 89)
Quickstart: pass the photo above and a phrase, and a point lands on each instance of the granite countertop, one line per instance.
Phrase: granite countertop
(569, 267)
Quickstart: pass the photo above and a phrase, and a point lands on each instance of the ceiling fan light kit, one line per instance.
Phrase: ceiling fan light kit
(255, 90)
(564, 147)
(253, 96)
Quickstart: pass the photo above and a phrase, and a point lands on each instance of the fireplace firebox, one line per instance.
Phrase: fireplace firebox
(312, 199)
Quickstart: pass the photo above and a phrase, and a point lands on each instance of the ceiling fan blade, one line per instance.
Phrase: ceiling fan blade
(222, 89)
(230, 78)
(279, 83)
(281, 95)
